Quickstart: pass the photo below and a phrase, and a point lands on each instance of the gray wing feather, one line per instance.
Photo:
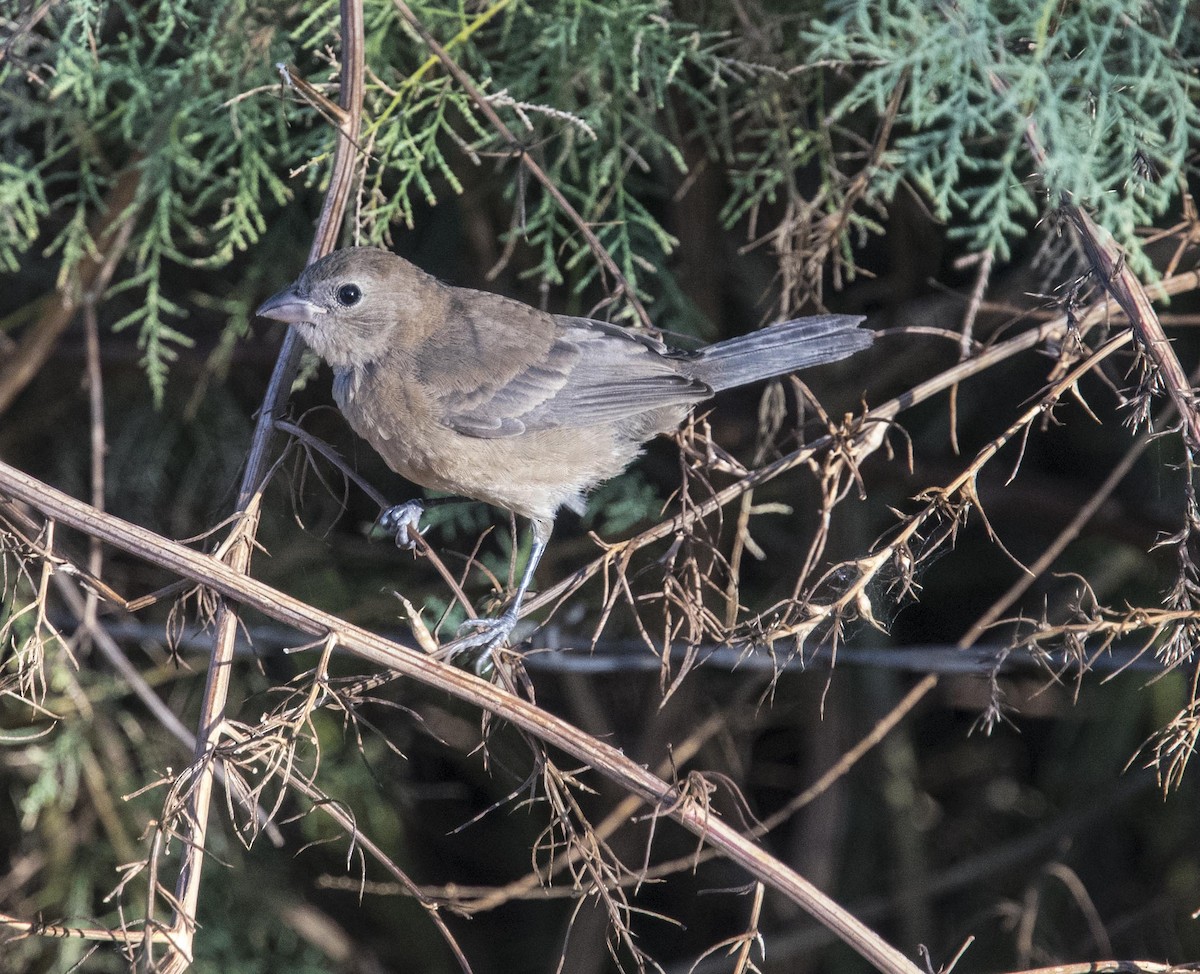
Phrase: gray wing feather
(594, 373)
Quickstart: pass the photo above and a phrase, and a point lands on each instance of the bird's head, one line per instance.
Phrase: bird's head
(350, 306)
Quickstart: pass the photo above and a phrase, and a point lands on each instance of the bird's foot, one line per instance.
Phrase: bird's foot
(477, 639)
(403, 521)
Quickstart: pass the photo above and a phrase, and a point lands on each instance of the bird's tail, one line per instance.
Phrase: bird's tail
(779, 349)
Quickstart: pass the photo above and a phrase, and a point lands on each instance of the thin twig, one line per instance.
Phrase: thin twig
(111, 230)
(310, 442)
(982, 278)
(489, 898)
(967, 335)
(216, 692)
(165, 716)
(1064, 538)
(95, 384)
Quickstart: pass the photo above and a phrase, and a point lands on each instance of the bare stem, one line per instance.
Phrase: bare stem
(216, 692)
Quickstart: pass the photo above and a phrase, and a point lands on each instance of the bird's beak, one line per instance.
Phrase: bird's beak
(288, 306)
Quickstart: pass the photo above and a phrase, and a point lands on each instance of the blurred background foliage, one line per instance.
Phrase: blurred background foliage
(741, 160)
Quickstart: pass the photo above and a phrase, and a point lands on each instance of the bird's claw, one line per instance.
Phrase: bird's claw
(476, 640)
(403, 521)
(485, 632)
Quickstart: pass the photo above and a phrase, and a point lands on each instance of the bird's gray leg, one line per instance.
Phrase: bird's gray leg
(487, 634)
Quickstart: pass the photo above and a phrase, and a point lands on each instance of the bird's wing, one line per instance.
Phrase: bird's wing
(576, 374)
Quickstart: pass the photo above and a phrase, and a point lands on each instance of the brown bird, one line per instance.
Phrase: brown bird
(488, 398)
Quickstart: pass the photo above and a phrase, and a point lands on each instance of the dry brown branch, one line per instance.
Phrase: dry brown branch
(947, 506)
(1114, 274)
(742, 944)
(17, 929)
(187, 891)
(533, 885)
(1110, 267)
(945, 510)
(538, 882)
(605, 759)
(136, 682)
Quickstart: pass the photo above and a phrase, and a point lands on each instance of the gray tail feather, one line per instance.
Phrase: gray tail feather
(779, 349)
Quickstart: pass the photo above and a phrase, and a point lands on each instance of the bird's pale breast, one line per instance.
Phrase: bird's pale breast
(532, 474)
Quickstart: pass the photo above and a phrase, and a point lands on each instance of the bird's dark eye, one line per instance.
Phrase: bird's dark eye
(349, 295)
